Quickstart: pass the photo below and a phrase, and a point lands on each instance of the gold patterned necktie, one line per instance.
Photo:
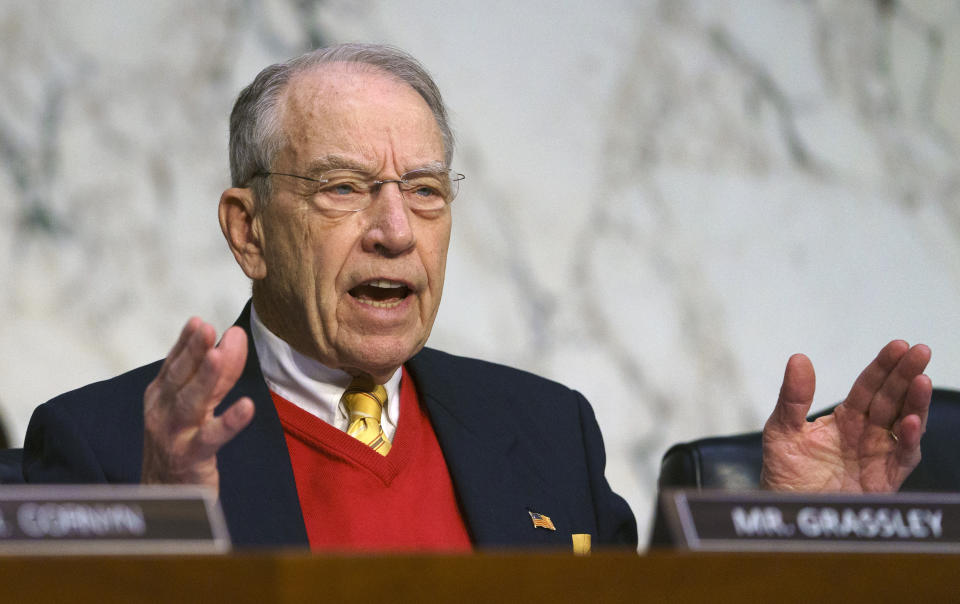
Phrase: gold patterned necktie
(364, 401)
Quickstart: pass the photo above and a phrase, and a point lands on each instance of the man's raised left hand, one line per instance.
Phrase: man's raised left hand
(871, 441)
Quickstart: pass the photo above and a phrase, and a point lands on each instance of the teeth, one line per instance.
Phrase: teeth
(384, 283)
(376, 304)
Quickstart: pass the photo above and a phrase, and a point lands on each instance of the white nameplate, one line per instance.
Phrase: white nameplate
(110, 519)
(762, 520)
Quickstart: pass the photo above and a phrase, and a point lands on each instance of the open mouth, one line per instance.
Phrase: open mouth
(380, 293)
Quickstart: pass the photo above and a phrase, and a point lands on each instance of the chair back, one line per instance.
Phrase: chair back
(733, 462)
(11, 466)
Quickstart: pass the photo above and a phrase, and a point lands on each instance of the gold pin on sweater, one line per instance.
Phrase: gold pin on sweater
(581, 544)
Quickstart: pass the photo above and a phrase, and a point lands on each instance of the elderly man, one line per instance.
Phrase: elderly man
(320, 416)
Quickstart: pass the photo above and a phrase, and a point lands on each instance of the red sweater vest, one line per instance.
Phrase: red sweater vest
(353, 498)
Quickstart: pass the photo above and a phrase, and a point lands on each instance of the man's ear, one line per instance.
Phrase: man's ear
(242, 228)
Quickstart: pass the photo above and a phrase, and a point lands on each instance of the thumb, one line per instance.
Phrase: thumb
(796, 395)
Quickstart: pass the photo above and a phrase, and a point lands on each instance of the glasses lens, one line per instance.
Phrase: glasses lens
(455, 178)
(344, 190)
(427, 189)
(350, 190)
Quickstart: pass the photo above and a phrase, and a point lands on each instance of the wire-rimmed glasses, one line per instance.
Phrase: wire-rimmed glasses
(346, 190)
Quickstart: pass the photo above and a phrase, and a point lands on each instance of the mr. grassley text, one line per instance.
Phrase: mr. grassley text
(839, 522)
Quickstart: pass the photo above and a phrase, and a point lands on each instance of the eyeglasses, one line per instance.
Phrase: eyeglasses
(346, 190)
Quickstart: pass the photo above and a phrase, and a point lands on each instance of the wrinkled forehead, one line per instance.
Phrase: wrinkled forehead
(353, 99)
(327, 83)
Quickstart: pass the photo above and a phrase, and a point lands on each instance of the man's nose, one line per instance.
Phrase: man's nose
(390, 230)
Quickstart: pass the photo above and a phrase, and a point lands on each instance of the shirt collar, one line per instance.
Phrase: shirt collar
(309, 384)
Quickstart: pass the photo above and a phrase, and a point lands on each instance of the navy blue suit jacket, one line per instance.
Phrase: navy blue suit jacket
(513, 442)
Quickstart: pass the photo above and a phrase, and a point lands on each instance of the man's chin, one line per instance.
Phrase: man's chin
(380, 359)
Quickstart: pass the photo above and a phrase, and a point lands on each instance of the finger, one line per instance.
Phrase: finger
(872, 378)
(185, 334)
(796, 395)
(191, 325)
(219, 430)
(908, 434)
(196, 399)
(233, 352)
(180, 367)
(218, 373)
(889, 400)
(917, 401)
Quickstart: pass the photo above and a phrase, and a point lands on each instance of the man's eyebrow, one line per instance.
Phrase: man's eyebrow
(434, 166)
(318, 166)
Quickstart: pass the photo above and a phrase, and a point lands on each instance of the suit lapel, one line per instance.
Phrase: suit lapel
(494, 472)
(257, 488)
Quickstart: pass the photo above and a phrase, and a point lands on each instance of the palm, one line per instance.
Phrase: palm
(181, 433)
(852, 449)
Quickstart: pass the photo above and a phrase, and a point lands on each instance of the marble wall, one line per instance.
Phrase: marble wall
(664, 199)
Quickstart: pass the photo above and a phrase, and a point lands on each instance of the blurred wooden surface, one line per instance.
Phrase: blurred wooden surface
(657, 577)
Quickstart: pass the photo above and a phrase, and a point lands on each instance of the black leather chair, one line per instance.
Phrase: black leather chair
(11, 466)
(733, 462)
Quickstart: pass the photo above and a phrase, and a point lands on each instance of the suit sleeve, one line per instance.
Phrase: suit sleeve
(89, 435)
(55, 451)
(616, 525)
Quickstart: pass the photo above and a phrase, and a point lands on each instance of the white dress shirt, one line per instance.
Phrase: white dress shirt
(310, 385)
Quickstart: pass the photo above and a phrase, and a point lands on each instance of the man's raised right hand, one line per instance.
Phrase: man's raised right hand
(181, 434)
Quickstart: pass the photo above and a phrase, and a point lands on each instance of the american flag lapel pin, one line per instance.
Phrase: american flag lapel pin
(541, 521)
